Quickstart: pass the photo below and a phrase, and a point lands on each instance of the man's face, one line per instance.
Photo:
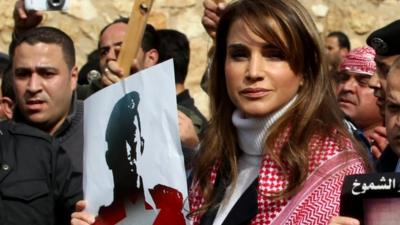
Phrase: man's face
(392, 110)
(378, 81)
(357, 100)
(43, 84)
(110, 45)
(333, 51)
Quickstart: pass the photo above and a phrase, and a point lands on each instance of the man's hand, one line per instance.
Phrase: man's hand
(80, 217)
(212, 13)
(378, 140)
(112, 73)
(25, 20)
(187, 131)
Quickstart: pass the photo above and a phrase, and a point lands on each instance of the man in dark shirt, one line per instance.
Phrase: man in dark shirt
(44, 80)
(175, 45)
(337, 46)
(110, 41)
(63, 112)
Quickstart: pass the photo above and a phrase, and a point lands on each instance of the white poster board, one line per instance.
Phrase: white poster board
(140, 112)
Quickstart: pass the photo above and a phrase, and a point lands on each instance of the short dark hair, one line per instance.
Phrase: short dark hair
(174, 44)
(342, 38)
(150, 37)
(49, 35)
(7, 83)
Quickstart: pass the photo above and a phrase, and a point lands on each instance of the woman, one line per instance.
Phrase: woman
(275, 151)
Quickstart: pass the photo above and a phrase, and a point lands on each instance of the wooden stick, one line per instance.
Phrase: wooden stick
(133, 38)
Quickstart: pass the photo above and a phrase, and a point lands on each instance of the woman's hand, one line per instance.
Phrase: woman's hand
(342, 220)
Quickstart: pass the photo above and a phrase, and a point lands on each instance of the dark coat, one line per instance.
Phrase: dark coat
(37, 182)
(387, 162)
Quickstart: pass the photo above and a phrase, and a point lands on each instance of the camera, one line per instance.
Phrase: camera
(46, 5)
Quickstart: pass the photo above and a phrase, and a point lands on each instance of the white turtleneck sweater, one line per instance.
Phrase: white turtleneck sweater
(252, 133)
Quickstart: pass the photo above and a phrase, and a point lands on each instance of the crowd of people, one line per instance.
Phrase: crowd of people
(291, 114)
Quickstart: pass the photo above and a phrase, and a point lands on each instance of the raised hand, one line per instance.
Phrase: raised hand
(25, 20)
(212, 13)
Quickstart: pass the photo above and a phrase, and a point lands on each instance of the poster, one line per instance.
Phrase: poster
(133, 164)
(373, 199)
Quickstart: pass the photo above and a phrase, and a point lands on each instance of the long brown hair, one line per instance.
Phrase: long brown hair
(287, 25)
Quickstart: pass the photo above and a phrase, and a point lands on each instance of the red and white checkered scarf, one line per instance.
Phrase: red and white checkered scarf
(319, 198)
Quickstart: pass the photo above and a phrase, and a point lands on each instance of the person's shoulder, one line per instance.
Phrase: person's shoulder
(335, 150)
(84, 91)
(323, 146)
(331, 137)
(387, 162)
(192, 112)
(29, 141)
(79, 104)
(21, 129)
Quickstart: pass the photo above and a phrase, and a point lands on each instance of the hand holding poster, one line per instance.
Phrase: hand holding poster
(133, 165)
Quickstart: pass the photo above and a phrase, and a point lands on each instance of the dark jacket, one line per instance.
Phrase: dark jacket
(387, 162)
(84, 91)
(37, 183)
(70, 134)
(186, 105)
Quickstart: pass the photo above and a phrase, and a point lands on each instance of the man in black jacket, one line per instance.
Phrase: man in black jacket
(175, 45)
(387, 48)
(37, 185)
(109, 45)
(67, 124)
(44, 81)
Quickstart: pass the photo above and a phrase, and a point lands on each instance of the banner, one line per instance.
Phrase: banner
(133, 164)
(373, 199)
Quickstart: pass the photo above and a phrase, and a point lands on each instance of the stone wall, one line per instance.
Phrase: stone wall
(85, 18)
(357, 18)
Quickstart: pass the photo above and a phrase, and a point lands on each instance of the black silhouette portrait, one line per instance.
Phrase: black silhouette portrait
(125, 142)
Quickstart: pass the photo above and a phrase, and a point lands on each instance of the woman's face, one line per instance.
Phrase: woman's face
(258, 79)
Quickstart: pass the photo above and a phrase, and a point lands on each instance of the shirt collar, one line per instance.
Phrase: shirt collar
(68, 120)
